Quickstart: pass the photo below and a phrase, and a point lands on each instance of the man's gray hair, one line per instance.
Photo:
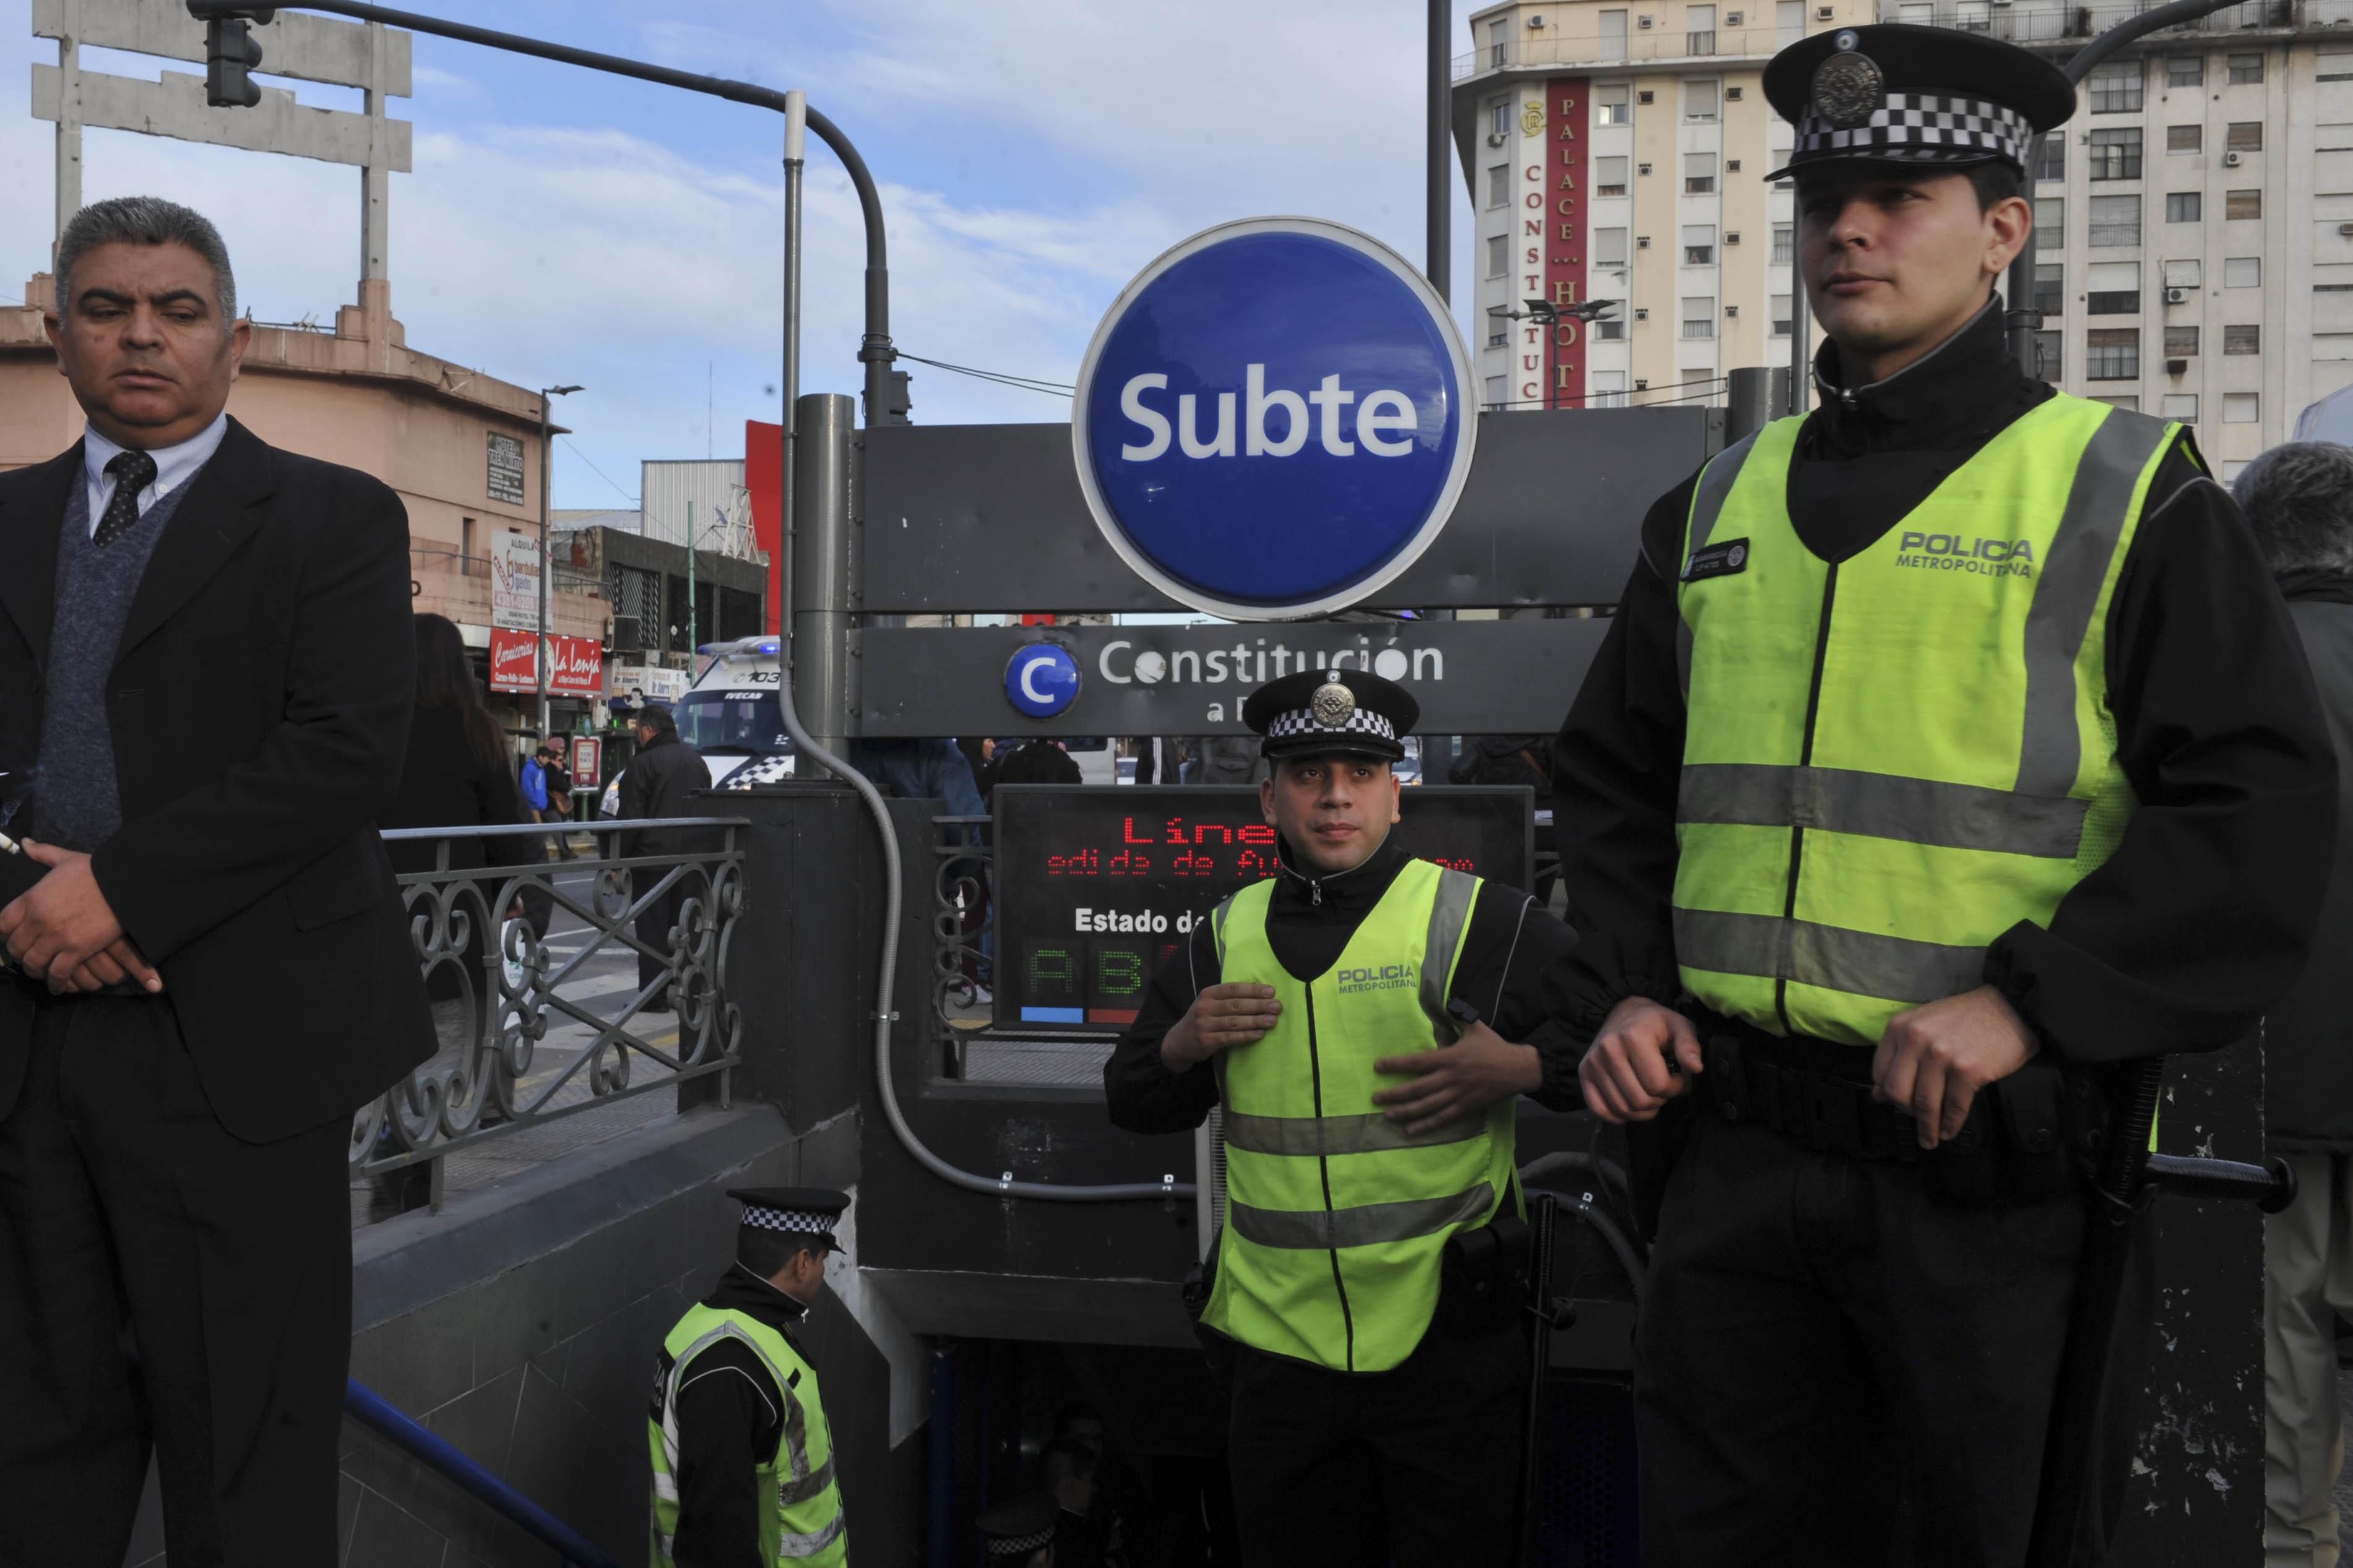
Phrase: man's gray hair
(144, 220)
(2298, 498)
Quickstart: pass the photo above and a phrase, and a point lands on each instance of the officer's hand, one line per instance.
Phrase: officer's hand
(1463, 1079)
(1932, 1059)
(1625, 1073)
(1220, 1018)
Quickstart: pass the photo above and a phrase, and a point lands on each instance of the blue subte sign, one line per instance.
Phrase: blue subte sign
(1041, 679)
(1273, 420)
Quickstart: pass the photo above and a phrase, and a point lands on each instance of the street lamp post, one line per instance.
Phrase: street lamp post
(539, 645)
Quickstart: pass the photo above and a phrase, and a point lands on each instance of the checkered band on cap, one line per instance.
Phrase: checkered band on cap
(1302, 722)
(798, 1220)
(1016, 1545)
(1923, 127)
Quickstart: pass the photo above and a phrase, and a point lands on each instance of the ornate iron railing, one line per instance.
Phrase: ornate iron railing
(499, 984)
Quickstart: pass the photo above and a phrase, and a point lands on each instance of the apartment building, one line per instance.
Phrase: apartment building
(2195, 219)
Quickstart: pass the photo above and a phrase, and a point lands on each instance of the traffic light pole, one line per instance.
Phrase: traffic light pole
(874, 352)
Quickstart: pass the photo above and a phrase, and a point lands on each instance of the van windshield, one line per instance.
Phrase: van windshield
(732, 719)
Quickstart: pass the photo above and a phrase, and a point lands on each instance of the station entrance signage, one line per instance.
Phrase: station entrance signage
(1273, 419)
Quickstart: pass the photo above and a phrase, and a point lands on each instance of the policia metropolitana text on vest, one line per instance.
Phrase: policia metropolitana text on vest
(1368, 1133)
(1947, 744)
(742, 1454)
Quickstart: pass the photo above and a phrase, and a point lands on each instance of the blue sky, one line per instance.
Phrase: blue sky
(567, 226)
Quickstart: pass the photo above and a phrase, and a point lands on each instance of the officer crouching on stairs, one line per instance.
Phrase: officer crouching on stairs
(1948, 744)
(743, 1454)
(1376, 1412)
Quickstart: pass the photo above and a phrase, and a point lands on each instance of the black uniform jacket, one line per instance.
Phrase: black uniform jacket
(730, 1418)
(2308, 1033)
(1509, 944)
(259, 704)
(2203, 914)
(657, 782)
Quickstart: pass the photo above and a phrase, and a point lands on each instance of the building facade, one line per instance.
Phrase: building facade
(2194, 218)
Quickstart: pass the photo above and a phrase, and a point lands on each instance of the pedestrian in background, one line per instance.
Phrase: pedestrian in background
(558, 779)
(1039, 762)
(534, 779)
(659, 777)
(2299, 501)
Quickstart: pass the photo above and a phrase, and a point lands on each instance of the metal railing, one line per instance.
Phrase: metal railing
(449, 563)
(486, 941)
(1560, 47)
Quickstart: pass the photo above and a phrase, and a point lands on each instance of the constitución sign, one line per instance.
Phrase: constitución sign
(1274, 420)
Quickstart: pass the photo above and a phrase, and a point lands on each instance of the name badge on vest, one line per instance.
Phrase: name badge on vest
(1717, 560)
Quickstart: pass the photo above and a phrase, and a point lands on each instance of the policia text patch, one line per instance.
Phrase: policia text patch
(1717, 560)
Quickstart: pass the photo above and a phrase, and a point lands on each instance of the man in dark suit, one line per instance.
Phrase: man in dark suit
(207, 670)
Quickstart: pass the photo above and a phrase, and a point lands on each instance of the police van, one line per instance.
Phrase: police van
(730, 717)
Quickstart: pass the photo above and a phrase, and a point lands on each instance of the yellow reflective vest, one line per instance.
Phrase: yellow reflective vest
(804, 1524)
(1891, 760)
(1335, 1218)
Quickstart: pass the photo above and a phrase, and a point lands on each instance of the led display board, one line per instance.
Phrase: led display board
(1096, 888)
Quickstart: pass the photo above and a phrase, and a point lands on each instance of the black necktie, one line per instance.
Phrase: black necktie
(133, 472)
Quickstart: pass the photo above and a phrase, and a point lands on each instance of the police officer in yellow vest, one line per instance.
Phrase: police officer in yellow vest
(743, 1454)
(1948, 744)
(1368, 1134)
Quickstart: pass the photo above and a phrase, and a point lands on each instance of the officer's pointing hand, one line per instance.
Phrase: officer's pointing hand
(1932, 1059)
(1221, 1018)
(1463, 1079)
(1626, 1074)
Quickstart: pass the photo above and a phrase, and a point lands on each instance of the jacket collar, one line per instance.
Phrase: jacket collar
(739, 1289)
(1953, 387)
(1355, 890)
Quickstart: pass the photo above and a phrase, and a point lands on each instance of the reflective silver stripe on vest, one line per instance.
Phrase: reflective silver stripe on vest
(1707, 505)
(1859, 961)
(1450, 912)
(1370, 1133)
(809, 1545)
(789, 1492)
(2050, 751)
(1881, 805)
(1321, 1230)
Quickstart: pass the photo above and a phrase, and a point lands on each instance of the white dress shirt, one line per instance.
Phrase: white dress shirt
(175, 466)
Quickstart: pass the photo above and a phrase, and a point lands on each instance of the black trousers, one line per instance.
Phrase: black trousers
(1417, 1465)
(1834, 1368)
(164, 1287)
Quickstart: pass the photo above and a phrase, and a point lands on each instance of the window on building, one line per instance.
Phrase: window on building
(1499, 331)
(2242, 340)
(2046, 355)
(2334, 65)
(1499, 117)
(2185, 137)
(2185, 274)
(1612, 330)
(2243, 204)
(2333, 278)
(2115, 154)
(2112, 354)
(2243, 272)
(2245, 67)
(2244, 136)
(1498, 43)
(2051, 287)
(1499, 255)
(2050, 156)
(1699, 317)
(2115, 221)
(1609, 176)
(1608, 389)
(2179, 405)
(1699, 174)
(2114, 88)
(1785, 244)
(2112, 288)
(2184, 206)
(1785, 317)
(2243, 409)
(2185, 70)
(1699, 244)
(1699, 29)
(1499, 186)
(1699, 100)
(1788, 22)
(2129, 403)
(1497, 392)
(1613, 103)
(2181, 343)
(1613, 34)
(1610, 248)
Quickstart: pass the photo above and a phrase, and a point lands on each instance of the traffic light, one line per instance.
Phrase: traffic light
(230, 55)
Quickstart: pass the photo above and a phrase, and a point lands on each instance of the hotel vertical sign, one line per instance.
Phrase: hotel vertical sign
(1552, 359)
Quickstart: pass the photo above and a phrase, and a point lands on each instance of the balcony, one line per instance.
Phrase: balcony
(2042, 22)
(1568, 46)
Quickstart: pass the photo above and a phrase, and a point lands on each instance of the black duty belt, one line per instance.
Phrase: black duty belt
(1824, 1111)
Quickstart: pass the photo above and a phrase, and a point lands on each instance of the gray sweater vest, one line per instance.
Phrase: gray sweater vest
(76, 802)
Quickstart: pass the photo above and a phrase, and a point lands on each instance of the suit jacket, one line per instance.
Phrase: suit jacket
(259, 703)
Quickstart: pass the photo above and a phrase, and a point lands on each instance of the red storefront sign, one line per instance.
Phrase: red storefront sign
(1552, 360)
(575, 666)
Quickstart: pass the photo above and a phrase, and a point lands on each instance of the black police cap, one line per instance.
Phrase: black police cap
(804, 1211)
(1331, 714)
(1913, 97)
(1022, 1525)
